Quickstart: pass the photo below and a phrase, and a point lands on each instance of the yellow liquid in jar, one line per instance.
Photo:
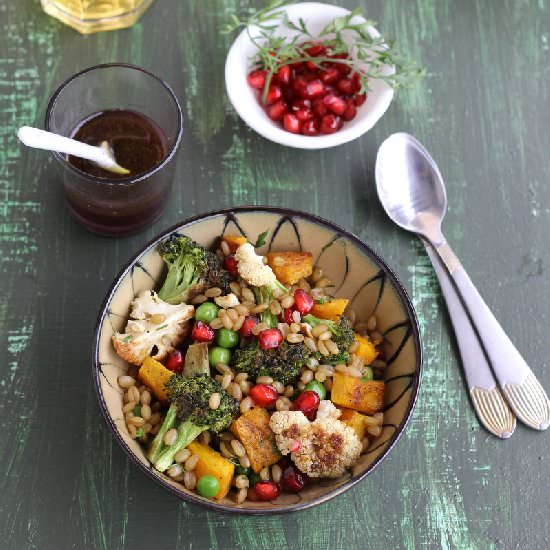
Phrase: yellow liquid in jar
(87, 16)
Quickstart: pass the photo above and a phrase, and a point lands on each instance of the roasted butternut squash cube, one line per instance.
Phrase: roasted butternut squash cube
(354, 420)
(290, 267)
(366, 349)
(330, 310)
(253, 431)
(213, 463)
(234, 242)
(155, 375)
(366, 396)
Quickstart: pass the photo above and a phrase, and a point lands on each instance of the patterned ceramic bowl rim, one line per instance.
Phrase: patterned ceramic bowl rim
(415, 333)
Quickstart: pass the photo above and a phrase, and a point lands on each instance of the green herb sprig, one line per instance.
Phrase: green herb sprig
(369, 56)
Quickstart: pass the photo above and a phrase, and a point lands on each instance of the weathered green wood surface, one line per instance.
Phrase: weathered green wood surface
(483, 111)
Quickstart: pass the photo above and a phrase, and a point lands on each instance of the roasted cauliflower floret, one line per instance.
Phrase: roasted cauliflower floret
(323, 448)
(287, 426)
(227, 301)
(252, 269)
(154, 329)
(327, 448)
(327, 410)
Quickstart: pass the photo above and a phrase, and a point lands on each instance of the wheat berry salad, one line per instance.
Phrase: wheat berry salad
(246, 376)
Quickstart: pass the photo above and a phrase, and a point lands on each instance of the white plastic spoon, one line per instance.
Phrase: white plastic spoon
(40, 139)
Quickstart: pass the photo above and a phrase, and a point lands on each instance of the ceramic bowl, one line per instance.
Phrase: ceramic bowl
(358, 273)
(242, 96)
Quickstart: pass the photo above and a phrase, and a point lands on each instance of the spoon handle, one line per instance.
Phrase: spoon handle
(519, 385)
(491, 408)
(40, 139)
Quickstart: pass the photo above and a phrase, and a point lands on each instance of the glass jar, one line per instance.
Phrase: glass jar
(87, 16)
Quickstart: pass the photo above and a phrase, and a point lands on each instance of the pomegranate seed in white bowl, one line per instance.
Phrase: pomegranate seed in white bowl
(291, 126)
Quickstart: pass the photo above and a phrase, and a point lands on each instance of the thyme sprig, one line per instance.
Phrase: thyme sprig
(369, 55)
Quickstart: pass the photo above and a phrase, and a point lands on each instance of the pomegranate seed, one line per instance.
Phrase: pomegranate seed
(330, 75)
(303, 115)
(380, 353)
(273, 94)
(286, 316)
(295, 446)
(334, 104)
(270, 338)
(343, 69)
(202, 332)
(276, 111)
(266, 490)
(284, 75)
(319, 108)
(303, 301)
(311, 66)
(310, 127)
(356, 79)
(316, 50)
(330, 124)
(292, 479)
(175, 361)
(263, 395)
(351, 111)
(308, 403)
(289, 94)
(360, 99)
(300, 86)
(256, 79)
(314, 89)
(291, 124)
(301, 104)
(246, 329)
(342, 55)
(230, 264)
(346, 86)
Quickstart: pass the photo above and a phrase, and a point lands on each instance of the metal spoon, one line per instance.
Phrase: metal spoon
(412, 192)
(102, 156)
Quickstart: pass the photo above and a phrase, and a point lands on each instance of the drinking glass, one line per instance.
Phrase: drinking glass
(118, 206)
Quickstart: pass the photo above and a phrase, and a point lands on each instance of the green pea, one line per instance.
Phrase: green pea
(368, 374)
(206, 312)
(317, 387)
(208, 486)
(219, 355)
(227, 338)
(254, 478)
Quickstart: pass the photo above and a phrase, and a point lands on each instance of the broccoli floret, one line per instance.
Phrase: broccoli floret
(282, 363)
(342, 336)
(191, 270)
(264, 295)
(190, 406)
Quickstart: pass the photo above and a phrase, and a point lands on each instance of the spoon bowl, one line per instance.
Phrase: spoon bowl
(410, 186)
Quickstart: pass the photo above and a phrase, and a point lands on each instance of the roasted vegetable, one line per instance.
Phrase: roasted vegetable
(190, 406)
(342, 336)
(191, 270)
(234, 242)
(253, 270)
(196, 360)
(354, 420)
(290, 267)
(253, 431)
(155, 376)
(357, 394)
(213, 463)
(154, 329)
(332, 309)
(282, 363)
(264, 295)
(365, 350)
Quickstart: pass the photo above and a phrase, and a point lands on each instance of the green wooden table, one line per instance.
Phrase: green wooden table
(483, 112)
